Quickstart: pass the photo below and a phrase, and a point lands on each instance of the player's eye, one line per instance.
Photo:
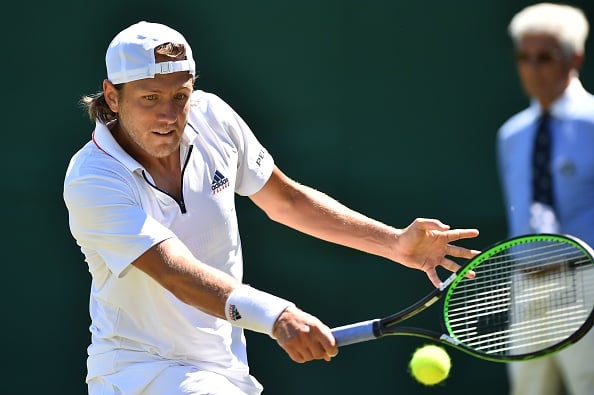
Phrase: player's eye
(150, 97)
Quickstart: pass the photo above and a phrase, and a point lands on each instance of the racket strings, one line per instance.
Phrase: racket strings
(525, 298)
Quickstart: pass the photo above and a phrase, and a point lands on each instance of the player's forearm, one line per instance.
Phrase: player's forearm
(199, 285)
(173, 266)
(317, 214)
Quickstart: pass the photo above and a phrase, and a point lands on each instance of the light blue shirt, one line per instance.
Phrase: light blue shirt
(572, 161)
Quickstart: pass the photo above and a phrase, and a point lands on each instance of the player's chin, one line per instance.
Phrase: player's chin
(164, 149)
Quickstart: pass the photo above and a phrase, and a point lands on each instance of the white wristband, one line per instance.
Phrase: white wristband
(252, 309)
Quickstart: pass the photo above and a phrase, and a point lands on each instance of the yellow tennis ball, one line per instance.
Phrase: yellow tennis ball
(430, 364)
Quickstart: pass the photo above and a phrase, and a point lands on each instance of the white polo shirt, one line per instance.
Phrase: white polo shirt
(116, 213)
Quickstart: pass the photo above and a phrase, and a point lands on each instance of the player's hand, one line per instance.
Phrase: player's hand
(303, 336)
(425, 245)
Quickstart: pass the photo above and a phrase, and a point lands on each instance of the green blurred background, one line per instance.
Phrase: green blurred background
(390, 106)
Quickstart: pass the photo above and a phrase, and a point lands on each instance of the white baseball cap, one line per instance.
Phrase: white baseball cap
(131, 54)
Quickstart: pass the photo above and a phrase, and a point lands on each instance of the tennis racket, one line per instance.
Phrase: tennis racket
(533, 295)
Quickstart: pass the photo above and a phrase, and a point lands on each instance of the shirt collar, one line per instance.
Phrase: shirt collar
(562, 107)
(104, 141)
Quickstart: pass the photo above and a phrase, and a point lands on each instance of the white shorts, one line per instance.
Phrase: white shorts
(171, 380)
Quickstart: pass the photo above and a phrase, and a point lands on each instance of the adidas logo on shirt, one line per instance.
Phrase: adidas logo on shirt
(219, 182)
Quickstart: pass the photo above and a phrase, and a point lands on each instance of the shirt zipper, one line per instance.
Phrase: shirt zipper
(180, 203)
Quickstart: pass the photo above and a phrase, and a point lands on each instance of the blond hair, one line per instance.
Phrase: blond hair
(95, 104)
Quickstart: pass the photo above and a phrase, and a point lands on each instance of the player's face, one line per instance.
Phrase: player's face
(543, 69)
(152, 114)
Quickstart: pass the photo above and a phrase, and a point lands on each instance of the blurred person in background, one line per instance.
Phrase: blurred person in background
(545, 159)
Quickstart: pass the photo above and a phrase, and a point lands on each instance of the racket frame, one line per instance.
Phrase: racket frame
(387, 326)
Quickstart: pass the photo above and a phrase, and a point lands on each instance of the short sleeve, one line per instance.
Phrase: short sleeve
(255, 164)
(106, 220)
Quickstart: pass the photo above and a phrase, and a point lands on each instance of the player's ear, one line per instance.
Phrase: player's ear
(110, 93)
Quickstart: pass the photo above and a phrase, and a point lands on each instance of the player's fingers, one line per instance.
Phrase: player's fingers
(295, 354)
(431, 224)
(433, 277)
(325, 352)
(457, 234)
(449, 265)
(325, 344)
(329, 346)
(311, 352)
(314, 341)
(454, 267)
(461, 252)
(298, 357)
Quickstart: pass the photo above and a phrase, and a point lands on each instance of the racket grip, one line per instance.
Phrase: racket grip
(354, 333)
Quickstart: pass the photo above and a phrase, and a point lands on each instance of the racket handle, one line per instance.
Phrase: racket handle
(354, 333)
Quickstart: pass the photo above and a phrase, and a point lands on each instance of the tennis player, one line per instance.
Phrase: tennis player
(150, 200)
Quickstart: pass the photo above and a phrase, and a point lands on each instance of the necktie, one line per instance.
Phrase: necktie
(542, 181)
